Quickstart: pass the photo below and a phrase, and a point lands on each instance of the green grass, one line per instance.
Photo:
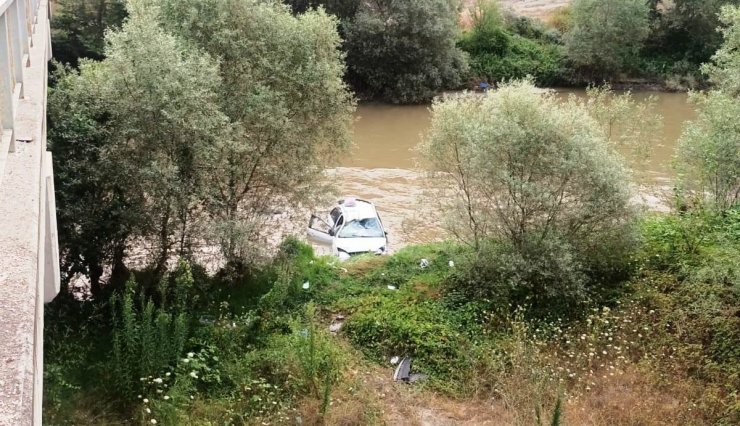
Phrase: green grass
(255, 357)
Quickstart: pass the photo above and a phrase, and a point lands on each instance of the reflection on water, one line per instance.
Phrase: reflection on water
(381, 166)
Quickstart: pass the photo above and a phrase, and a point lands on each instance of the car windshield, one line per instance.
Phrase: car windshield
(363, 228)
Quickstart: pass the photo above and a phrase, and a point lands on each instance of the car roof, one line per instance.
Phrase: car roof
(356, 209)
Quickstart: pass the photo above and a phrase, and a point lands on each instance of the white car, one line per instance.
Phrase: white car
(352, 227)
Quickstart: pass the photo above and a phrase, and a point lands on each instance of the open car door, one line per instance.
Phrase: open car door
(319, 231)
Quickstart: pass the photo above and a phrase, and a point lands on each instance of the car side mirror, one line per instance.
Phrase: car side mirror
(331, 232)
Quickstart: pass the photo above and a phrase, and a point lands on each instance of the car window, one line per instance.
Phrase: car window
(335, 214)
(363, 228)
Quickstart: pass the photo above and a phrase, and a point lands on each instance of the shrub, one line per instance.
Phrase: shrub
(709, 151)
(500, 57)
(539, 176)
(424, 330)
(148, 337)
(404, 51)
(605, 36)
(723, 70)
(522, 47)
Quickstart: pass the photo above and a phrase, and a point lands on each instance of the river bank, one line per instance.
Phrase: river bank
(383, 165)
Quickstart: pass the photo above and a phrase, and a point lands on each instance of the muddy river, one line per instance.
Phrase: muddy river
(382, 165)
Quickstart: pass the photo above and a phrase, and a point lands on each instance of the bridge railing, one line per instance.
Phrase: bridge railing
(18, 19)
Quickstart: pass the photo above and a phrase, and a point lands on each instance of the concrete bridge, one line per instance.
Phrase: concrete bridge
(29, 259)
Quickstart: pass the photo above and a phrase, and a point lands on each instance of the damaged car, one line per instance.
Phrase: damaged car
(351, 228)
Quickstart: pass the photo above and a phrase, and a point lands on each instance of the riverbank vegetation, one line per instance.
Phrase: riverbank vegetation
(554, 299)
(408, 52)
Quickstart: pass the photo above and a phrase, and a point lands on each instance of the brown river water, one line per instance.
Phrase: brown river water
(382, 165)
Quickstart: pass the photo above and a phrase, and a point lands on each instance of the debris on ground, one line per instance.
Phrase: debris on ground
(424, 263)
(403, 370)
(306, 285)
(391, 287)
(336, 324)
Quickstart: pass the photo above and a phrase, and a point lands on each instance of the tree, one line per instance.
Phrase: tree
(686, 30)
(130, 136)
(404, 51)
(606, 35)
(725, 71)
(343, 9)
(521, 169)
(78, 28)
(93, 207)
(288, 107)
(709, 150)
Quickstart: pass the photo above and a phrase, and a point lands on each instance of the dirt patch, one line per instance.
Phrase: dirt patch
(540, 9)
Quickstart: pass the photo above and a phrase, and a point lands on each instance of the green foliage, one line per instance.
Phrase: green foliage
(343, 9)
(291, 118)
(499, 56)
(557, 413)
(425, 330)
(159, 151)
(130, 139)
(318, 358)
(539, 176)
(78, 28)
(723, 72)
(404, 51)
(685, 30)
(148, 338)
(94, 213)
(605, 36)
(709, 151)
(500, 52)
(693, 284)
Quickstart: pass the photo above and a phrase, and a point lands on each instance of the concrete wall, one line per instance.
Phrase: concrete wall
(29, 258)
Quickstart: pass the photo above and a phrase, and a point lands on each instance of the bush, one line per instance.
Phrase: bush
(424, 330)
(405, 51)
(500, 57)
(522, 175)
(709, 151)
(546, 274)
(148, 338)
(523, 47)
(605, 36)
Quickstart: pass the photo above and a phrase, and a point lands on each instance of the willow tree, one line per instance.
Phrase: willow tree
(709, 148)
(288, 108)
(724, 71)
(131, 135)
(523, 169)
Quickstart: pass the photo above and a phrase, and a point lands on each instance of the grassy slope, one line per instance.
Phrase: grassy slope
(666, 353)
